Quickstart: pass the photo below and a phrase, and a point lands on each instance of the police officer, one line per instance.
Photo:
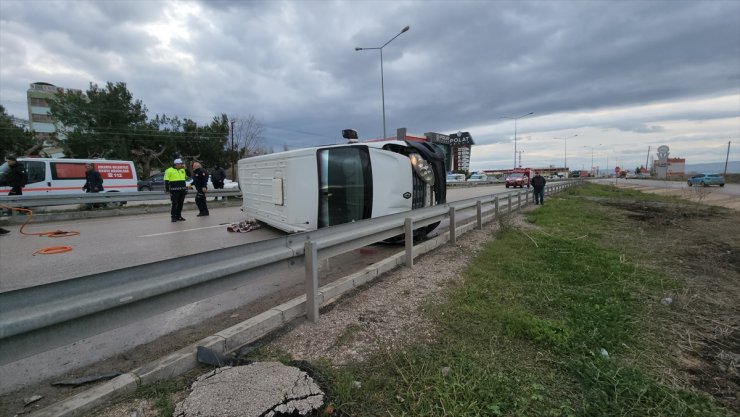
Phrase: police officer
(200, 183)
(174, 183)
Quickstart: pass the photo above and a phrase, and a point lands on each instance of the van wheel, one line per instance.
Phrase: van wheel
(115, 204)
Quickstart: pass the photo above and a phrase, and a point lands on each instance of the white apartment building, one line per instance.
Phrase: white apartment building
(39, 94)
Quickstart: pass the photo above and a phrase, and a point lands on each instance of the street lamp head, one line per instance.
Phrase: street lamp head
(405, 29)
(358, 49)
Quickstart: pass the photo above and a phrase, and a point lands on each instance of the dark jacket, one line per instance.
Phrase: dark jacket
(218, 175)
(538, 182)
(16, 177)
(200, 179)
(93, 182)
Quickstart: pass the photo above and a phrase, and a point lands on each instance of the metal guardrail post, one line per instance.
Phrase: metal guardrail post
(479, 213)
(495, 205)
(509, 208)
(519, 200)
(453, 226)
(408, 230)
(312, 281)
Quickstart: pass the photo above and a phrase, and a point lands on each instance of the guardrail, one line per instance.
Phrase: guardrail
(37, 319)
(97, 198)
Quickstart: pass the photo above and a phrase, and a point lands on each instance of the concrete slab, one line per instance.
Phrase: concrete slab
(267, 389)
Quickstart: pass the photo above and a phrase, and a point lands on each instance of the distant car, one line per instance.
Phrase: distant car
(706, 180)
(153, 183)
(452, 178)
(517, 179)
(156, 183)
(478, 178)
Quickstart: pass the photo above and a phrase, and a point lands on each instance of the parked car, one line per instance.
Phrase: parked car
(153, 183)
(517, 179)
(707, 180)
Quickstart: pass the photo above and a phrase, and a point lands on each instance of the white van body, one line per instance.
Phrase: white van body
(50, 176)
(311, 188)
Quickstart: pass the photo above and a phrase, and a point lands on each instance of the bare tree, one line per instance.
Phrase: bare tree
(144, 157)
(247, 137)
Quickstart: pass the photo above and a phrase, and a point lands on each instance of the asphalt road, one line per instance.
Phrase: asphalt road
(110, 243)
(117, 242)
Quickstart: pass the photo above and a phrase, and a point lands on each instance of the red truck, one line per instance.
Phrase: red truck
(519, 177)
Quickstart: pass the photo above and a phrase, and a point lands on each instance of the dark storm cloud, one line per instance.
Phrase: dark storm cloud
(292, 64)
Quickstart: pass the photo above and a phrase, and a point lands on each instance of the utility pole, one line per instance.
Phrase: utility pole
(727, 158)
(233, 153)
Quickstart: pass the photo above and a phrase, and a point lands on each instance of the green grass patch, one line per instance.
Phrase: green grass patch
(547, 323)
(161, 392)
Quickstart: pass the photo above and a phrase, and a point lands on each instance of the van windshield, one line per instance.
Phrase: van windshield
(345, 182)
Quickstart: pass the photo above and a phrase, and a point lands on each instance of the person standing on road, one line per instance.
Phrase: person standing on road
(93, 182)
(174, 183)
(15, 177)
(538, 183)
(200, 183)
(217, 178)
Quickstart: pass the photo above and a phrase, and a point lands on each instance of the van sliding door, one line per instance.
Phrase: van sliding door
(345, 185)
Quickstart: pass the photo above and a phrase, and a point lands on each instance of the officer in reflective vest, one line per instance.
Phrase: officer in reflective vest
(174, 183)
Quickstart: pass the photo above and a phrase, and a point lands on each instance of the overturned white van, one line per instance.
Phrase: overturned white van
(311, 188)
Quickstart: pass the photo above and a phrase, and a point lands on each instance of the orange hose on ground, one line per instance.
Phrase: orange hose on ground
(55, 233)
(51, 250)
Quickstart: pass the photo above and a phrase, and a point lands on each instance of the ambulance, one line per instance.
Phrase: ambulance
(53, 176)
(313, 188)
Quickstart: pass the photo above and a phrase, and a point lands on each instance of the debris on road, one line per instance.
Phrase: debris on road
(244, 226)
(268, 389)
(88, 379)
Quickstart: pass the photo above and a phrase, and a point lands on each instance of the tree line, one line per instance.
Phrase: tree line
(107, 122)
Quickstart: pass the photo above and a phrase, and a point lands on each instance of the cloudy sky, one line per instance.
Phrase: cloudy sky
(621, 75)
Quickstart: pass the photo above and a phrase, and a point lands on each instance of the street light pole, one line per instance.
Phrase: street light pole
(382, 81)
(515, 120)
(592, 157)
(565, 153)
(233, 153)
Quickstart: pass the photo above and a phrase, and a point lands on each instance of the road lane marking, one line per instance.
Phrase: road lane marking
(182, 231)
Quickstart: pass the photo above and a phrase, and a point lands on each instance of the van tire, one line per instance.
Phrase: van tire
(115, 204)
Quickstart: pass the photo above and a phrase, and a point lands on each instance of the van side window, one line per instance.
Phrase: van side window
(36, 171)
(67, 171)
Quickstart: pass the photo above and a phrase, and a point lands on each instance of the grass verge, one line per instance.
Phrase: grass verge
(551, 321)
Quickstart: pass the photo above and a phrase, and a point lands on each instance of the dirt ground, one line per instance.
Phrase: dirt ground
(700, 327)
(700, 324)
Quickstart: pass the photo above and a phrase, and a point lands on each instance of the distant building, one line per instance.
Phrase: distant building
(39, 94)
(665, 167)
